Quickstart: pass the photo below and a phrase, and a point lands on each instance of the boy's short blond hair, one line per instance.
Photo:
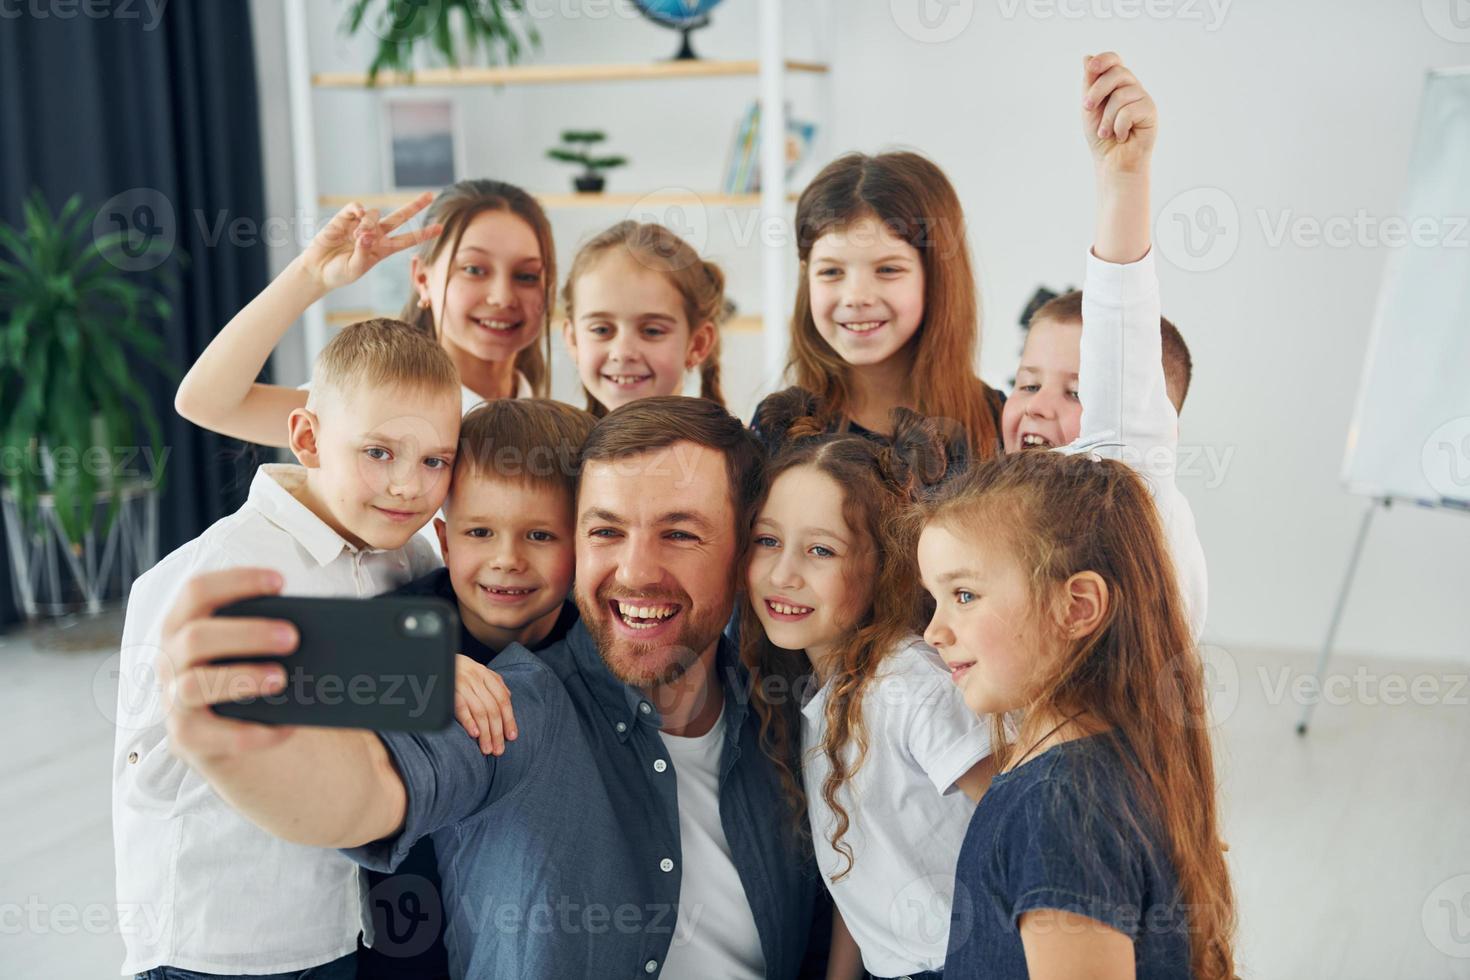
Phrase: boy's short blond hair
(535, 441)
(383, 353)
(1178, 365)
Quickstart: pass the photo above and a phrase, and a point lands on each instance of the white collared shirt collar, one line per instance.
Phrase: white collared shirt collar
(272, 493)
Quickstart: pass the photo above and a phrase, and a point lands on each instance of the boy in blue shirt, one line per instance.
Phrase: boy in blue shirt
(506, 537)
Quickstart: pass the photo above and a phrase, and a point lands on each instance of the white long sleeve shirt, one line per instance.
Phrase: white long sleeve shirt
(199, 887)
(1126, 412)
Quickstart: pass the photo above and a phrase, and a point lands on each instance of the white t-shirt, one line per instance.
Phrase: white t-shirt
(199, 887)
(715, 935)
(907, 821)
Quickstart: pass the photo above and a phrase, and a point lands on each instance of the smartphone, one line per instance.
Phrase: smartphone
(385, 663)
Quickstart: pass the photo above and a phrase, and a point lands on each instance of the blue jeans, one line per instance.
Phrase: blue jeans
(343, 969)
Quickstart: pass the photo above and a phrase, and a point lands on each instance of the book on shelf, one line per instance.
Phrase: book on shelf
(742, 168)
(740, 150)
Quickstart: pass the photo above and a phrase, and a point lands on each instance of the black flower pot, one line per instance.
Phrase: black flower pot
(590, 184)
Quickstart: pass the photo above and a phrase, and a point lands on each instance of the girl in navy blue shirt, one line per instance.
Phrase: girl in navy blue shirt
(1095, 851)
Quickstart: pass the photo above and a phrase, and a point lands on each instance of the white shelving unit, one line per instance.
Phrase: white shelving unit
(770, 70)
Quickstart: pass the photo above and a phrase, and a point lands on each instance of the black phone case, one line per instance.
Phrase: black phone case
(361, 663)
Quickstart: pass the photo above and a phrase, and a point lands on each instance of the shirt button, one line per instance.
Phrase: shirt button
(645, 707)
(650, 966)
(659, 765)
(666, 865)
(621, 726)
(132, 757)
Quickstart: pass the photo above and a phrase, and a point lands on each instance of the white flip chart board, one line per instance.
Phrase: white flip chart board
(1410, 437)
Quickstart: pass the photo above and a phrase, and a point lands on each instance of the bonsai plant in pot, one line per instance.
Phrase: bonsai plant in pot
(79, 492)
(577, 148)
(451, 29)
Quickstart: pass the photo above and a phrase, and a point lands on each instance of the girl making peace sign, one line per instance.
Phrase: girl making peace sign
(482, 283)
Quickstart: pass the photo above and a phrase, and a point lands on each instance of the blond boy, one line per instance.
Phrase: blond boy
(376, 444)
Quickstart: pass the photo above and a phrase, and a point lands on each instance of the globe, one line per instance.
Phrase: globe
(684, 16)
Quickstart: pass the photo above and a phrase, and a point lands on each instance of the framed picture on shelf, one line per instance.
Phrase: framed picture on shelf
(422, 148)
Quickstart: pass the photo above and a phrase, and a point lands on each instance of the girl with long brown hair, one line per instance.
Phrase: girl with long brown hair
(642, 311)
(482, 281)
(832, 611)
(1067, 591)
(1096, 849)
(886, 313)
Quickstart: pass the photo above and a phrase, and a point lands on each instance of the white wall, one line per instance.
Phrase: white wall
(1302, 110)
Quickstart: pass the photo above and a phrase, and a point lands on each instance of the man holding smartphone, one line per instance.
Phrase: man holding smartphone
(634, 828)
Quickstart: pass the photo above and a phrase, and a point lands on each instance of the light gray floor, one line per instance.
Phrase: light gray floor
(1350, 848)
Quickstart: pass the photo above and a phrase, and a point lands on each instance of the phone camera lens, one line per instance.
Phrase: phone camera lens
(423, 624)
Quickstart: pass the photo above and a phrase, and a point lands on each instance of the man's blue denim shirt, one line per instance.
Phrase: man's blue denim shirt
(553, 855)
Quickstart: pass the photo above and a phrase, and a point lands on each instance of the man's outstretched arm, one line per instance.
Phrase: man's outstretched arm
(325, 787)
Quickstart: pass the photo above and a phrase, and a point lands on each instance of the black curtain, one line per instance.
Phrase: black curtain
(149, 101)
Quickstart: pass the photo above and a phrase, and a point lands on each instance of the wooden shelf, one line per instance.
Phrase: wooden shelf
(341, 318)
(568, 200)
(550, 74)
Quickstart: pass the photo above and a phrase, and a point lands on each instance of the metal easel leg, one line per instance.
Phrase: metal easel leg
(1342, 594)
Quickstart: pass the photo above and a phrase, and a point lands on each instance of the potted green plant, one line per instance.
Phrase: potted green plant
(577, 148)
(79, 506)
(450, 29)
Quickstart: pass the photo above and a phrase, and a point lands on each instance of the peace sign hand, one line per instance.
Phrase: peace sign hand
(357, 239)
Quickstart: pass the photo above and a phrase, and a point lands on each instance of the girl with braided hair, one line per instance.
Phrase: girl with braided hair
(642, 311)
(832, 614)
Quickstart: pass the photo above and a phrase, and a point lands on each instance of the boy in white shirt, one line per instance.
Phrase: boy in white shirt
(1103, 372)
(376, 442)
(1049, 365)
(1113, 388)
